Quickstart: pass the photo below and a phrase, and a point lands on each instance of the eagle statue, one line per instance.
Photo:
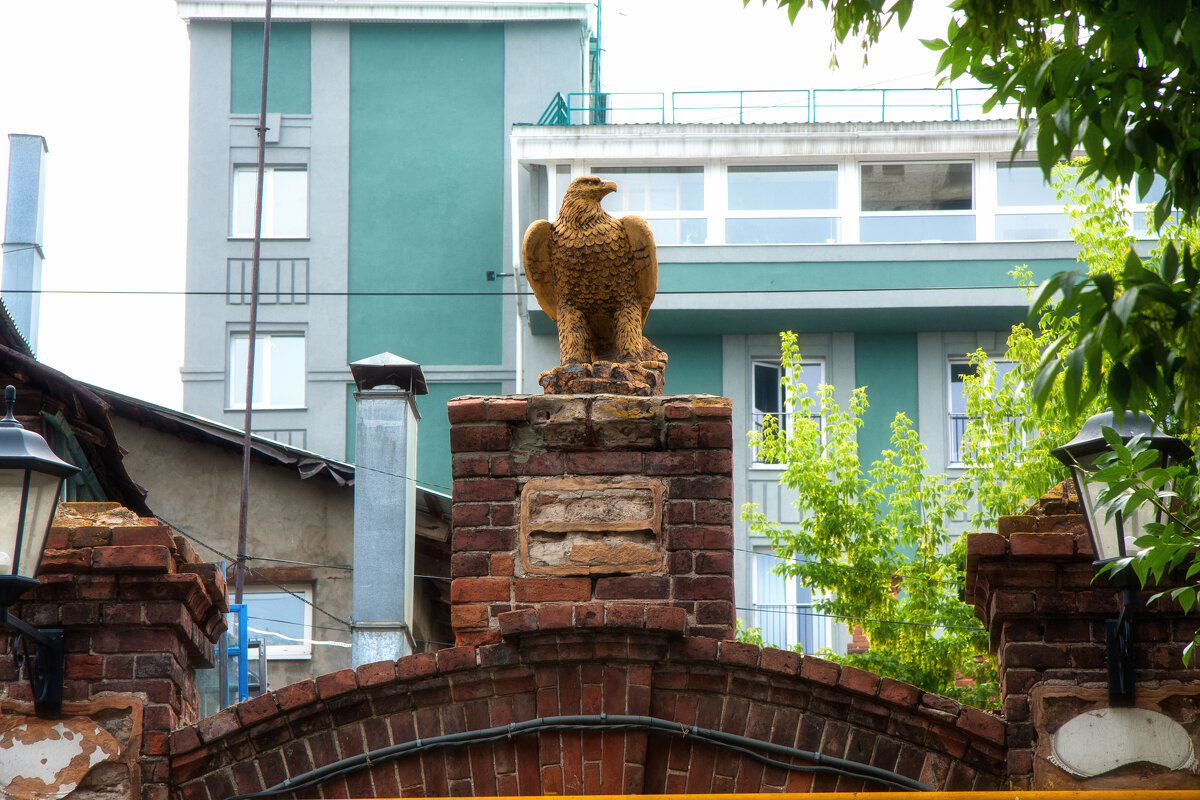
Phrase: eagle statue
(595, 277)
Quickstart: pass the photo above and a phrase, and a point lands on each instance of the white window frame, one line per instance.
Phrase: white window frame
(1058, 208)
(953, 452)
(972, 212)
(822, 625)
(268, 206)
(292, 651)
(236, 394)
(834, 213)
(666, 216)
(774, 361)
(849, 214)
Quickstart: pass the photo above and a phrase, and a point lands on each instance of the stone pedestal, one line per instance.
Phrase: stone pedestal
(1034, 586)
(620, 507)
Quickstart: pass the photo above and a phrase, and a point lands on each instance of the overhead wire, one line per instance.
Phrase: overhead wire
(498, 293)
(188, 535)
(876, 620)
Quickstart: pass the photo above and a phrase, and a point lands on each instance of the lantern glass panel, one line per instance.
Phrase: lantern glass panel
(21, 550)
(1112, 536)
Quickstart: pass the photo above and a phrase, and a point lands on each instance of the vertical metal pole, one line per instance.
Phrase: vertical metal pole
(244, 507)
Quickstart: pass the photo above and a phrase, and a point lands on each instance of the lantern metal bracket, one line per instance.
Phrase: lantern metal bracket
(39, 650)
(1119, 643)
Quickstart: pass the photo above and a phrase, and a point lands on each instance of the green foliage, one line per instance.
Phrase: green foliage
(873, 544)
(1115, 78)
(1136, 482)
(748, 635)
(1121, 336)
(1003, 428)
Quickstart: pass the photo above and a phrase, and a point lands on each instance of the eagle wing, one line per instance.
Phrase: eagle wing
(539, 271)
(644, 258)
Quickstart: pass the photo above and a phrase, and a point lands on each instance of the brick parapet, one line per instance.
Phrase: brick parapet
(554, 668)
(1033, 585)
(139, 613)
(500, 444)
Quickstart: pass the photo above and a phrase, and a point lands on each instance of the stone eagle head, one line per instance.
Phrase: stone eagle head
(582, 198)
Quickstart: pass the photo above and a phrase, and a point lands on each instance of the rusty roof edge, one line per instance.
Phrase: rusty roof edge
(96, 408)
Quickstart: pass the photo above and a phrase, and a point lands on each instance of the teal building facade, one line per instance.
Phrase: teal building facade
(410, 146)
(385, 202)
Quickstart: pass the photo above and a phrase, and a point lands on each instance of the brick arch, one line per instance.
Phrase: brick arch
(559, 660)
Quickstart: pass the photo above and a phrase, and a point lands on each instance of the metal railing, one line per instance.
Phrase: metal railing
(958, 429)
(784, 625)
(772, 106)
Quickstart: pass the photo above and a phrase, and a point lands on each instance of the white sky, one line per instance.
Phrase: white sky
(106, 84)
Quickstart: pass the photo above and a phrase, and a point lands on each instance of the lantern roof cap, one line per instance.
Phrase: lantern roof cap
(1090, 439)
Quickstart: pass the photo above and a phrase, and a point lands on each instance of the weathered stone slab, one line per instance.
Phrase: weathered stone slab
(591, 526)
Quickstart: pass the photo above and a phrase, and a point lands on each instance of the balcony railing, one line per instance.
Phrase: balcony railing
(785, 625)
(774, 106)
(958, 429)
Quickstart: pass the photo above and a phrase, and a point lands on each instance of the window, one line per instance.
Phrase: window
(917, 202)
(278, 370)
(783, 608)
(958, 402)
(769, 396)
(1026, 206)
(1143, 210)
(783, 205)
(283, 619)
(562, 179)
(285, 202)
(292, 437)
(670, 198)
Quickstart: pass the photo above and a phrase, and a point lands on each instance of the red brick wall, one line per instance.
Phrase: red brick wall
(1032, 583)
(138, 613)
(557, 660)
(499, 444)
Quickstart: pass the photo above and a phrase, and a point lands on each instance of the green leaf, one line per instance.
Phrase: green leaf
(1119, 385)
(1073, 380)
(1170, 263)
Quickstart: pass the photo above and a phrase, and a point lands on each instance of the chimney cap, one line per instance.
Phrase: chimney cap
(389, 369)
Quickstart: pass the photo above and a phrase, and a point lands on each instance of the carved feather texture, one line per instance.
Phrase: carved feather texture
(588, 270)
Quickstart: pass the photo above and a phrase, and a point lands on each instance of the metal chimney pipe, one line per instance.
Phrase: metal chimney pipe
(23, 233)
(385, 455)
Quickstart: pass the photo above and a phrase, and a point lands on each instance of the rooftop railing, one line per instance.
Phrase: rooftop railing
(772, 105)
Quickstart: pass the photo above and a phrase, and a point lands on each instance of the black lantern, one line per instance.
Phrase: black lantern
(1113, 536)
(31, 476)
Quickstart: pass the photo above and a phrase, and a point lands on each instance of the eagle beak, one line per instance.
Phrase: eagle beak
(608, 187)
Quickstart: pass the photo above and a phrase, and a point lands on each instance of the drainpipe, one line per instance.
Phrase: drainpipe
(385, 496)
(23, 233)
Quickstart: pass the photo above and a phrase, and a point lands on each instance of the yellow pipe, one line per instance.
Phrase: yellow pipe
(1007, 794)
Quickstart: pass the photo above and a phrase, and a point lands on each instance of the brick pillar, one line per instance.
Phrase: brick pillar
(1032, 583)
(612, 504)
(139, 613)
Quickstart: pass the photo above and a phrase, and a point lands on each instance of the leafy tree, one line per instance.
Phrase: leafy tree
(1119, 79)
(874, 544)
(1003, 427)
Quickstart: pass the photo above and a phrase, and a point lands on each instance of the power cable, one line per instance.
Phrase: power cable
(300, 563)
(860, 619)
(253, 571)
(500, 293)
(849, 567)
(752, 748)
